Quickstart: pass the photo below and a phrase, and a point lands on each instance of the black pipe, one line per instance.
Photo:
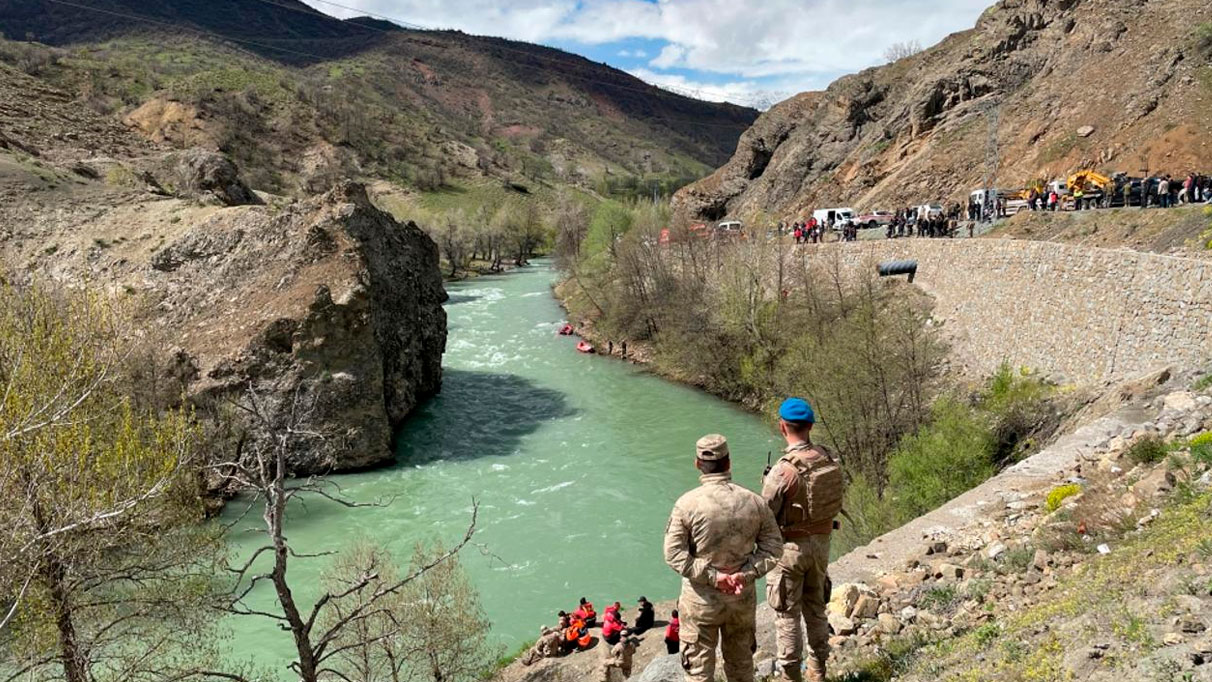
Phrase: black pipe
(898, 267)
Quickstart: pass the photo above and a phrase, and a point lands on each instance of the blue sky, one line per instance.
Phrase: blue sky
(752, 53)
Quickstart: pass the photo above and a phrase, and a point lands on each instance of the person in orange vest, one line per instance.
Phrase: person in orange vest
(577, 636)
(586, 613)
(673, 638)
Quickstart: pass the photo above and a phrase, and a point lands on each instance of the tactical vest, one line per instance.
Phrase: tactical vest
(812, 503)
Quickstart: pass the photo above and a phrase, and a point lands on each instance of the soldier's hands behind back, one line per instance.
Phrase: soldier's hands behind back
(730, 583)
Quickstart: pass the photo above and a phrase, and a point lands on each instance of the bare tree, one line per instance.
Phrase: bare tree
(899, 51)
(432, 629)
(327, 629)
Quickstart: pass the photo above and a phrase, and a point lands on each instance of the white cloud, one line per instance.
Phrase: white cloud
(748, 93)
(802, 42)
(638, 54)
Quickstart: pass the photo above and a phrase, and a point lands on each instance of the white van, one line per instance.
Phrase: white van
(840, 216)
(730, 229)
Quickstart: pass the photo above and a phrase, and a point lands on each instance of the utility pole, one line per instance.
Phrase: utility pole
(993, 117)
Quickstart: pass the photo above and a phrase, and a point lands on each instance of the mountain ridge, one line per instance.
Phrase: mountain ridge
(1071, 84)
(259, 66)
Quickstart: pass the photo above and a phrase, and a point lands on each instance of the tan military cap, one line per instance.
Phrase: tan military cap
(711, 448)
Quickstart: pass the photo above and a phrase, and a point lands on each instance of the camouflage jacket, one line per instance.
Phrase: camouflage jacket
(721, 526)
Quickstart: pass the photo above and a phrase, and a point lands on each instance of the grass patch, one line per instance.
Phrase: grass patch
(1203, 383)
(986, 634)
(1059, 148)
(897, 657)
(507, 659)
(1201, 448)
(1203, 39)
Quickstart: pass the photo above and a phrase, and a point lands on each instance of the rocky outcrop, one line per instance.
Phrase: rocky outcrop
(202, 175)
(329, 313)
(918, 130)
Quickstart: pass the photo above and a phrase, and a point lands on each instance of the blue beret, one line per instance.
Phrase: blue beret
(797, 410)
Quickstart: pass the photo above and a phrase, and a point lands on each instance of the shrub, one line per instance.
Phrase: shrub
(1148, 450)
(943, 459)
(1018, 559)
(1203, 39)
(939, 598)
(986, 633)
(978, 588)
(1059, 494)
(1201, 448)
(1205, 382)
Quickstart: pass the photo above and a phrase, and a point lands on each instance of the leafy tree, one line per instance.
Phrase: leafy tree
(104, 570)
(610, 221)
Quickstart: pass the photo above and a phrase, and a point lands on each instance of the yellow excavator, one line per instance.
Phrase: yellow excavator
(1088, 180)
(1095, 187)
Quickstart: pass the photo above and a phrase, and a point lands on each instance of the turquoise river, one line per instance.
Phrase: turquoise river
(575, 461)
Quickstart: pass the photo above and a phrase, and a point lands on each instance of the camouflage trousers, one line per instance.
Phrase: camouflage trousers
(609, 666)
(796, 590)
(713, 619)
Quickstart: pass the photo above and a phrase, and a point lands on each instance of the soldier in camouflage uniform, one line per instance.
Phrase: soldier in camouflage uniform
(548, 646)
(804, 490)
(721, 538)
(619, 657)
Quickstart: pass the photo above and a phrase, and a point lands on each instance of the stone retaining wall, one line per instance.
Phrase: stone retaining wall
(1081, 314)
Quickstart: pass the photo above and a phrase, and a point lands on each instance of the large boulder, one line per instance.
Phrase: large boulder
(328, 313)
(664, 669)
(202, 175)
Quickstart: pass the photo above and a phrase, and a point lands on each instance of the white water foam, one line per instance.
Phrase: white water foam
(552, 488)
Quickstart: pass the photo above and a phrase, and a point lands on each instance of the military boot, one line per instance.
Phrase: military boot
(814, 671)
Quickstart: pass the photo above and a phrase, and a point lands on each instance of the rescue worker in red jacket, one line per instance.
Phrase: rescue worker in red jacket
(673, 638)
(612, 625)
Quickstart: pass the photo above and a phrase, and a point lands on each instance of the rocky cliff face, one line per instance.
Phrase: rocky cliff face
(330, 311)
(326, 309)
(1066, 84)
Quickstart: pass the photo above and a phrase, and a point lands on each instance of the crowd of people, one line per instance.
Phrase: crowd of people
(572, 633)
(810, 231)
(924, 221)
(1164, 191)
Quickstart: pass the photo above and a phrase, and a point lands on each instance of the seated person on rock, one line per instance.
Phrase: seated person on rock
(646, 617)
(586, 613)
(549, 645)
(612, 626)
(576, 636)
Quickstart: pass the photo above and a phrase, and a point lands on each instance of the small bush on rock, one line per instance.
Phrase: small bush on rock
(1059, 494)
(1201, 448)
(1148, 450)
